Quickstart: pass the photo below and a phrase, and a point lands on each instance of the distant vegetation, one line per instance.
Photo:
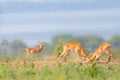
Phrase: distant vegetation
(14, 66)
(90, 43)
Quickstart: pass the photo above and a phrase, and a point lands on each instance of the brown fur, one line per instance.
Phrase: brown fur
(102, 49)
(34, 51)
(72, 46)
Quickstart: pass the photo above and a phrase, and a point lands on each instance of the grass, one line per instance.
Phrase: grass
(9, 70)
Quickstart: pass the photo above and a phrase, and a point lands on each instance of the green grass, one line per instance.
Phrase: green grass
(67, 71)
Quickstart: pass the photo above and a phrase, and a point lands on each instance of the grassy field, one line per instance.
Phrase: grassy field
(17, 69)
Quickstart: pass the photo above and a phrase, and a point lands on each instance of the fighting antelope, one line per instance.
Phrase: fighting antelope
(73, 46)
(102, 49)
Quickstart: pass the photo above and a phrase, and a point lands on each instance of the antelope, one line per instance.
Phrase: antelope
(102, 49)
(73, 46)
(34, 51)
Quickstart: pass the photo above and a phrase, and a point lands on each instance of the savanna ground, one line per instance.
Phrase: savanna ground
(49, 69)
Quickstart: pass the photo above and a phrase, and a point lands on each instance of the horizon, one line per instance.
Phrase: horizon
(54, 17)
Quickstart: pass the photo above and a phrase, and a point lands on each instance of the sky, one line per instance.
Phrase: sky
(52, 17)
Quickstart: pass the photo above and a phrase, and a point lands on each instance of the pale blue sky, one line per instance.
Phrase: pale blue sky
(60, 16)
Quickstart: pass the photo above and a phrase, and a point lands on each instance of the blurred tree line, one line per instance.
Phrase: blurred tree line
(89, 42)
(13, 48)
